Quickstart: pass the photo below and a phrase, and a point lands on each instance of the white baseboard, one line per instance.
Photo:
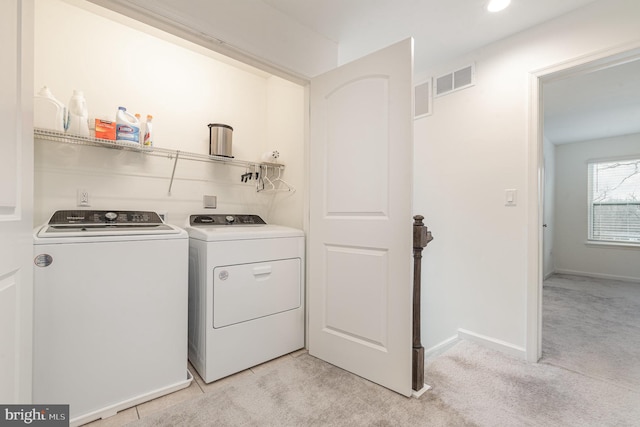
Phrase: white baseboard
(440, 347)
(493, 343)
(597, 275)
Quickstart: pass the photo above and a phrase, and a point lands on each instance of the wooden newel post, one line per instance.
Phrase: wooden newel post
(421, 237)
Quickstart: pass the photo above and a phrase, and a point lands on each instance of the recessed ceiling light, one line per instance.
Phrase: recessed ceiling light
(498, 5)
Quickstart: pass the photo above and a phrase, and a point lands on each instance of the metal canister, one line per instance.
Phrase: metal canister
(220, 140)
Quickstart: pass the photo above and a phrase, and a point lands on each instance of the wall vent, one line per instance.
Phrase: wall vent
(422, 99)
(456, 80)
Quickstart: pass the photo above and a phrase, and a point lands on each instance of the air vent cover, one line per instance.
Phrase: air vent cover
(455, 80)
(422, 99)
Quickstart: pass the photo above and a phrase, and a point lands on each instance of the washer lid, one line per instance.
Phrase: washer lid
(84, 223)
(97, 219)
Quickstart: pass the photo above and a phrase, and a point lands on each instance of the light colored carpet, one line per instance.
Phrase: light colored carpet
(304, 391)
(589, 376)
(492, 389)
(472, 386)
(592, 326)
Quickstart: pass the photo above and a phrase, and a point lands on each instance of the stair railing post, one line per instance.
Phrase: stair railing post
(421, 237)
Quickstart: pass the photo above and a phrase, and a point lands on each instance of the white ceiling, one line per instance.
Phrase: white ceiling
(442, 29)
(268, 29)
(597, 105)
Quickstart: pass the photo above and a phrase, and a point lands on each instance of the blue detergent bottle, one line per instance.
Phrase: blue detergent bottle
(127, 126)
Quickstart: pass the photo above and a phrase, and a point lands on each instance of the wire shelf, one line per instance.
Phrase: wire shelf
(55, 136)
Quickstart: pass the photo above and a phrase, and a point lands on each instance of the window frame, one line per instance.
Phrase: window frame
(591, 240)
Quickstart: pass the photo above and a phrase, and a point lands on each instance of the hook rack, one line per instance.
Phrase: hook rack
(270, 182)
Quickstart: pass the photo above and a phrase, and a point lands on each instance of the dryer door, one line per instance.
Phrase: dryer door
(245, 292)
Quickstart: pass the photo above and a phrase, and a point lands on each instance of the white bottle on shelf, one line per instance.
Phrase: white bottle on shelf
(148, 132)
(48, 112)
(127, 126)
(78, 117)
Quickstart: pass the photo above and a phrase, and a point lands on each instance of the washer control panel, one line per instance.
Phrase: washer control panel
(91, 218)
(223, 219)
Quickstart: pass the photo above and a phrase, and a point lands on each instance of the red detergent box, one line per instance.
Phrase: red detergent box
(105, 129)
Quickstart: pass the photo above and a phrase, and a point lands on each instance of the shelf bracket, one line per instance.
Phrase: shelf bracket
(173, 173)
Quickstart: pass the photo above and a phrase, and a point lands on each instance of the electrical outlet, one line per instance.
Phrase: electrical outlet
(82, 197)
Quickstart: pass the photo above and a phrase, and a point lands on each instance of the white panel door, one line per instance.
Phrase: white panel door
(360, 234)
(16, 204)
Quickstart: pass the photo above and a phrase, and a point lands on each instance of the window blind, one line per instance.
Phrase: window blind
(614, 201)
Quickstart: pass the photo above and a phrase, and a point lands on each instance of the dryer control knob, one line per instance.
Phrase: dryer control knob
(111, 216)
(230, 219)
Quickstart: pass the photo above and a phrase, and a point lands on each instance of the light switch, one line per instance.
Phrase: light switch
(510, 197)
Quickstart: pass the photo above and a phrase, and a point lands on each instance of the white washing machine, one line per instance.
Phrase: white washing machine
(110, 311)
(246, 292)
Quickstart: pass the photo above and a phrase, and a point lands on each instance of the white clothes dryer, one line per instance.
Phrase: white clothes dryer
(110, 311)
(246, 292)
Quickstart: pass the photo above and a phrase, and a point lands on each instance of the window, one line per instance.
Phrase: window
(614, 201)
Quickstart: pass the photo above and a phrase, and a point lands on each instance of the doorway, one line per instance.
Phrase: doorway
(542, 155)
(589, 300)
